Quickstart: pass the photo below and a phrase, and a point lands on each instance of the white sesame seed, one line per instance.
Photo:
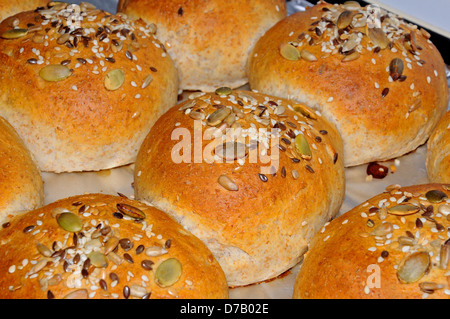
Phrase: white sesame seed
(428, 79)
(330, 99)
(74, 87)
(12, 269)
(137, 96)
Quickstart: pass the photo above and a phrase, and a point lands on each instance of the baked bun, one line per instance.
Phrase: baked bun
(21, 185)
(438, 152)
(209, 40)
(102, 246)
(255, 198)
(394, 246)
(83, 87)
(384, 87)
(9, 8)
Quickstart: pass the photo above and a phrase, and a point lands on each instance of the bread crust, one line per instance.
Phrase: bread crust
(10, 8)
(347, 260)
(378, 117)
(36, 237)
(77, 123)
(209, 40)
(438, 152)
(21, 185)
(262, 229)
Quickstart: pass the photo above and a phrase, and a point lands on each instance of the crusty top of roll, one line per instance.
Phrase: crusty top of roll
(21, 185)
(438, 152)
(393, 246)
(82, 87)
(102, 246)
(209, 40)
(9, 8)
(254, 213)
(383, 86)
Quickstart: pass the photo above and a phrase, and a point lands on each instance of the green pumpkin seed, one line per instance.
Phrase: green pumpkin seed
(114, 79)
(131, 211)
(69, 222)
(414, 267)
(224, 91)
(14, 33)
(55, 72)
(218, 116)
(168, 272)
(403, 210)
(435, 196)
(98, 259)
(302, 146)
(289, 52)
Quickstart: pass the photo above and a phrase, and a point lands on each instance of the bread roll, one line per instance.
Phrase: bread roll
(393, 246)
(83, 87)
(9, 8)
(379, 79)
(21, 186)
(102, 246)
(216, 164)
(438, 152)
(209, 40)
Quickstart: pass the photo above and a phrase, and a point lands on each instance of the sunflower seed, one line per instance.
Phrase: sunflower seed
(345, 19)
(131, 211)
(218, 116)
(227, 183)
(378, 37)
(14, 33)
(308, 56)
(403, 210)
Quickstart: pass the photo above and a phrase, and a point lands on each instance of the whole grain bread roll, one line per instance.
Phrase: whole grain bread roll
(393, 246)
(253, 176)
(9, 8)
(209, 40)
(83, 87)
(438, 152)
(379, 79)
(101, 246)
(21, 185)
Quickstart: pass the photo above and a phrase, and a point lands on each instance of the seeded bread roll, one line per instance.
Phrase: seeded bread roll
(102, 246)
(379, 79)
(438, 153)
(83, 87)
(209, 40)
(393, 246)
(254, 196)
(21, 185)
(9, 8)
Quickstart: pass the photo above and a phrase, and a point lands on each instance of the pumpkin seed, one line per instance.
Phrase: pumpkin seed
(231, 151)
(378, 37)
(98, 259)
(168, 272)
(224, 91)
(218, 116)
(114, 79)
(227, 183)
(302, 146)
(403, 210)
(289, 52)
(435, 196)
(131, 211)
(308, 56)
(55, 72)
(414, 267)
(382, 229)
(351, 5)
(345, 19)
(69, 222)
(77, 294)
(14, 33)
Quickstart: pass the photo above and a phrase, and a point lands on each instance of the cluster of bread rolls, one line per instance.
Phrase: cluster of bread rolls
(233, 186)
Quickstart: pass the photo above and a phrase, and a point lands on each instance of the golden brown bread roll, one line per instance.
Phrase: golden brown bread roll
(254, 198)
(21, 185)
(438, 152)
(82, 87)
(379, 79)
(9, 8)
(209, 40)
(102, 246)
(393, 246)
